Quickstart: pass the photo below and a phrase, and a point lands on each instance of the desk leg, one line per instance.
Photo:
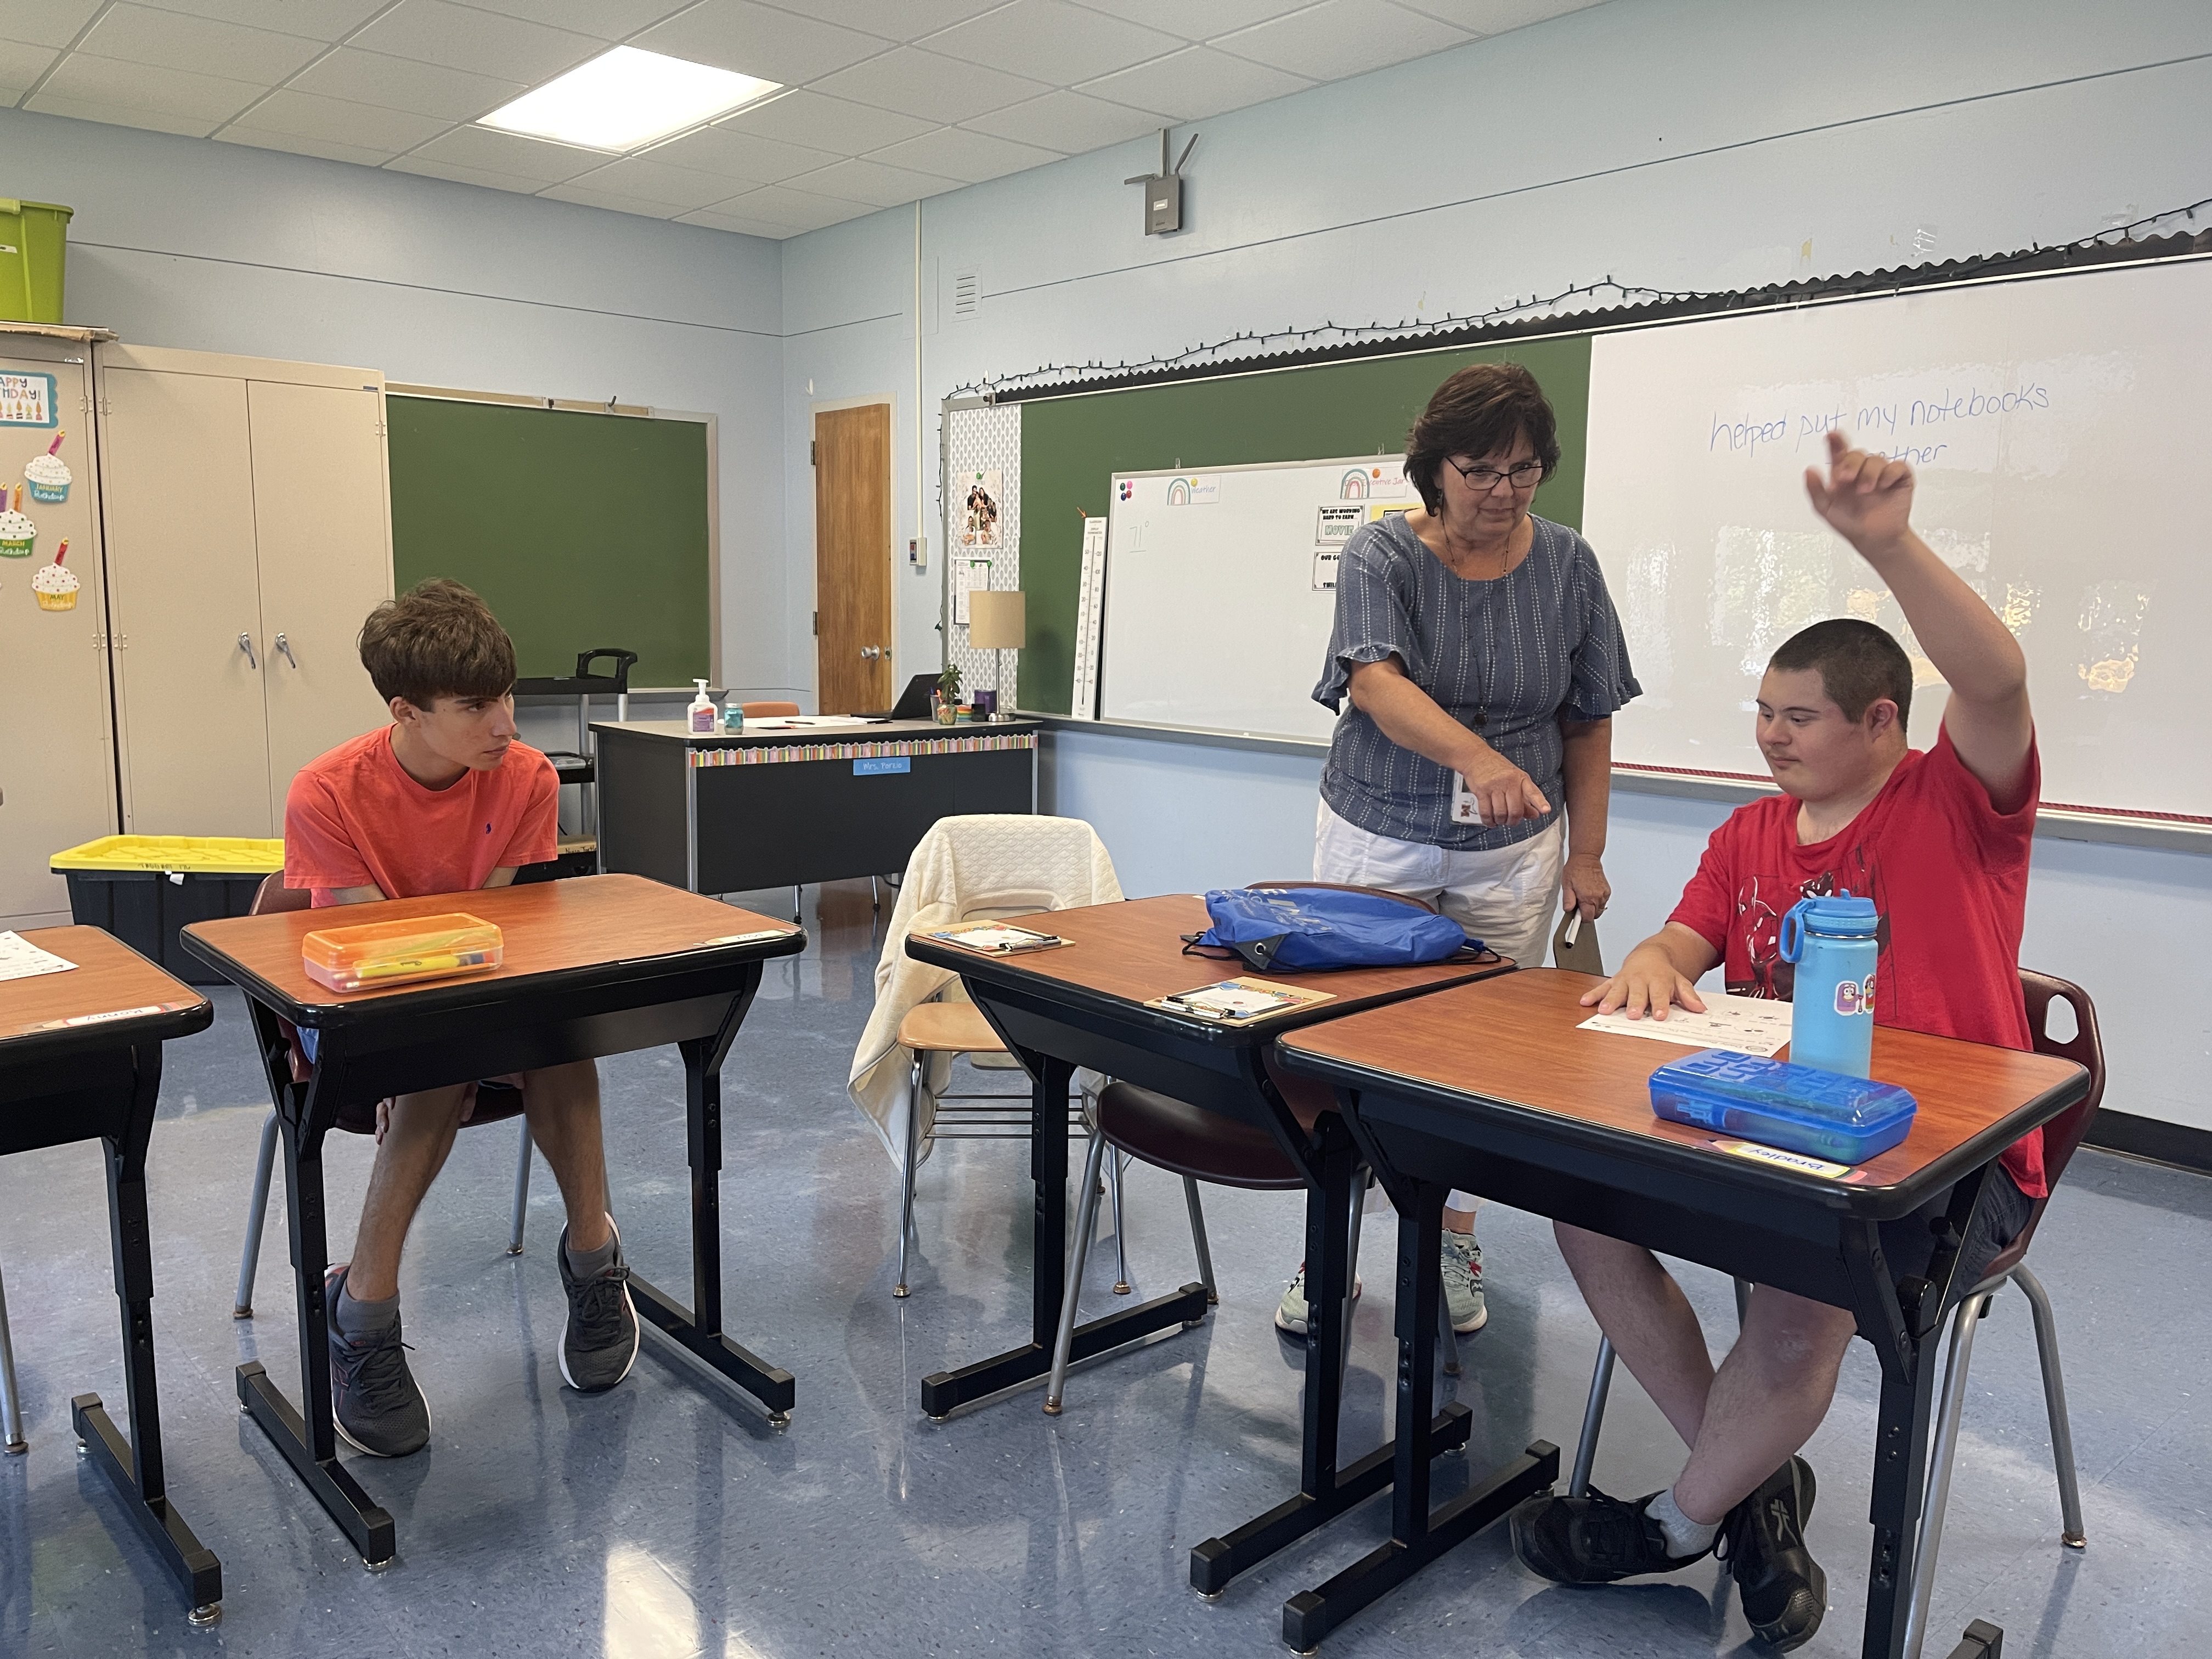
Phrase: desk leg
(1417, 1536)
(944, 1391)
(1325, 1491)
(698, 1329)
(133, 1467)
(1901, 1462)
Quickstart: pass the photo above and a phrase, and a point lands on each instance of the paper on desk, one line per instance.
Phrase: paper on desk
(21, 959)
(1743, 1026)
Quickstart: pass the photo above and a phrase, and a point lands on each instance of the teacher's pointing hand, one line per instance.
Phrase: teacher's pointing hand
(1503, 792)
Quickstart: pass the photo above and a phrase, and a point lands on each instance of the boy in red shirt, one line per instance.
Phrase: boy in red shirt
(446, 800)
(1939, 841)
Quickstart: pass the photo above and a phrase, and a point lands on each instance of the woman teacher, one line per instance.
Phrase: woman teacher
(1484, 661)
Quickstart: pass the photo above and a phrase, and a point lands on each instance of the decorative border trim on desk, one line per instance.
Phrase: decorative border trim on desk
(760, 755)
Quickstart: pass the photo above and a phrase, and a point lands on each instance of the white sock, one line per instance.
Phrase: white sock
(1685, 1537)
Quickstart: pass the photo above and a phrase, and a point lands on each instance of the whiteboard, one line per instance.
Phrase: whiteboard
(1221, 590)
(2055, 428)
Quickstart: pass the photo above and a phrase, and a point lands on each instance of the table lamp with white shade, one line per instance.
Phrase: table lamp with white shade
(998, 622)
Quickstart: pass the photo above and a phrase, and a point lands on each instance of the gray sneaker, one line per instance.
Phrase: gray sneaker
(373, 1393)
(1290, 1311)
(1462, 1275)
(599, 1345)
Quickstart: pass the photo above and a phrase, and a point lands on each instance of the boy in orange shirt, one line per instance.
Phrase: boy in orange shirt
(446, 800)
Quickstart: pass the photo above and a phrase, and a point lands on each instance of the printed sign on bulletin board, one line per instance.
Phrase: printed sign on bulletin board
(979, 516)
(25, 399)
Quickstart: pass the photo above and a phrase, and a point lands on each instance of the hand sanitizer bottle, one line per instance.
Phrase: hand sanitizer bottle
(702, 710)
(733, 713)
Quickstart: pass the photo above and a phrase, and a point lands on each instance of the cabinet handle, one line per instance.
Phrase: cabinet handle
(284, 646)
(246, 644)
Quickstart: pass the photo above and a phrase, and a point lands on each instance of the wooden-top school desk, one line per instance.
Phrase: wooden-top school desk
(1084, 1005)
(595, 965)
(81, 1059)
(1492, 1089)
(776, 806)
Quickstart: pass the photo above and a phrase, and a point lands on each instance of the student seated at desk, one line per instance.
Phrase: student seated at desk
(1939, 841)
(446, 800)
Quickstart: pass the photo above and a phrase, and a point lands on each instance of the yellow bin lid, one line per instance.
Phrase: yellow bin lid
(237, 855)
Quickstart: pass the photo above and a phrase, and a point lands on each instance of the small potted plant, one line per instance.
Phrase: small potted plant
(948, 695)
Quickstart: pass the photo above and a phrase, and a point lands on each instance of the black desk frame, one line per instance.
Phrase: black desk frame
(1813, 1238)
(695, 999)
(1053, 1028)
(77, 1088)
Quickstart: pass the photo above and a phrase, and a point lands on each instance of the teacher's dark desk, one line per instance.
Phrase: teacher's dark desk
(1491, 1088)
(776, 806)
(1084, 1005)
(596, 965)
(81, 1059)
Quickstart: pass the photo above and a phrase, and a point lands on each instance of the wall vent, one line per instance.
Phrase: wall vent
(967, 295)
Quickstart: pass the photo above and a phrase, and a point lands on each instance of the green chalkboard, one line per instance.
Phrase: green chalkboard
(1072, 446)
(580, 530)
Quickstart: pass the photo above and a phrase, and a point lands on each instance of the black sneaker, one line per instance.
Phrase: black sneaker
(1783, 1591)
(373, 1393)
(1592, 1541)
(598, 1344)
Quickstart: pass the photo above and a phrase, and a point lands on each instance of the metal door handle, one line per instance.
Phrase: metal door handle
(246, 644)
(285, 646)
(867, 653)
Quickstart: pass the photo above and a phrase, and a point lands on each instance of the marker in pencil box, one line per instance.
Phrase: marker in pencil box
(438, 964)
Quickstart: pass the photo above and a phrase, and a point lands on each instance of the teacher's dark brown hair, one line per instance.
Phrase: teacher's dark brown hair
(1477, 412)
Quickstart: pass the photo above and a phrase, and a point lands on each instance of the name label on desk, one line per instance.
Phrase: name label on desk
(881, 764)
(1780, 1159)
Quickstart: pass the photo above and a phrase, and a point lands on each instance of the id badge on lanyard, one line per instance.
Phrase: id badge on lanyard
(1466, 808)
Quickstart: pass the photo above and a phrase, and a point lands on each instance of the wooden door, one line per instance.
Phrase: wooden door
(184, 583)
(853, 559)
(325, 545)
(56, 744)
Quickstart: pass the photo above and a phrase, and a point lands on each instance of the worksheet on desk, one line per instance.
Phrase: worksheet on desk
(1742, 1025)
(21, 959)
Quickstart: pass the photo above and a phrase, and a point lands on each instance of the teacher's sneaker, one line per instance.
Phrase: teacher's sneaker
(599, 1345)
(378, 1408)
(1290, 1311)
(1593, 1539)
(1783, 1591)
(1463, 1276)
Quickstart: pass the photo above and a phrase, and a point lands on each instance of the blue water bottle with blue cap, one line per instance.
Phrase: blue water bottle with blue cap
(1831, 941)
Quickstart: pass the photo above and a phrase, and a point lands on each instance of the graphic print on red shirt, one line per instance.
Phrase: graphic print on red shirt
(1948, 874)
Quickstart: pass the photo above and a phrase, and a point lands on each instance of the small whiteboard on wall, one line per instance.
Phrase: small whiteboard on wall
(1221, 588)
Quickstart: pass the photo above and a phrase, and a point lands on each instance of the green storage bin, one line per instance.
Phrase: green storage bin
(33, 259)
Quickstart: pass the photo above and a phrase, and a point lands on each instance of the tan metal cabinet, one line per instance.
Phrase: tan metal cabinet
(57, 755)
(249, 534)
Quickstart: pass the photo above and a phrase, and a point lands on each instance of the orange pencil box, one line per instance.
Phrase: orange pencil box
(378, 954)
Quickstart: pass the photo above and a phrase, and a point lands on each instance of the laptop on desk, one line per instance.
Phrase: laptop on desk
(913, 702)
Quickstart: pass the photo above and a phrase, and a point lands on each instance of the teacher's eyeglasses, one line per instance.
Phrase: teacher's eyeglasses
(1483, 479)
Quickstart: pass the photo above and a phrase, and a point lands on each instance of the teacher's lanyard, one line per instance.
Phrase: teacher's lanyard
(1466, 809)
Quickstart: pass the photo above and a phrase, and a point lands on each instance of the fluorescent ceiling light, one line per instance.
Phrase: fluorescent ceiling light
(626, 98)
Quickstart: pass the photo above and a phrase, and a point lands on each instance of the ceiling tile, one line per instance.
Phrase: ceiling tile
(178, 94)
(48, 102)
(1067, 122)
(713, 220)
(972, 157)
(1496, 16)
(735, 155)
(483, 42)
(836, 124)
(1341, 38)
(336, 121)
(610, 201)
(873, 183)
(21, 65)
(1199, 22)
(426, 166)
(372, 77)
(603, 20)
(799, 210)
(512, 153)
(941, 90)
(45, 22)
(1053, 42)
(752, 39)
(894, 20)
(299, 145)
(169, 39)
(649, 179)
(1194, 84)
(320, 20)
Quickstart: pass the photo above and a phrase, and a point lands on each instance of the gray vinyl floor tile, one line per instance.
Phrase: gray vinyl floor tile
(668, 1519)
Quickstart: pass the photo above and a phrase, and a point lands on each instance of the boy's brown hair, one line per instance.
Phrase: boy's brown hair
(436, 640)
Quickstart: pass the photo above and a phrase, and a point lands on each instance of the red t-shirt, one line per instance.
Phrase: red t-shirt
(354, 817)
(1949, 874)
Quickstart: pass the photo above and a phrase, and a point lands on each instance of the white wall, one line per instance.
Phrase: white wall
(1675, 143)
(219, 248)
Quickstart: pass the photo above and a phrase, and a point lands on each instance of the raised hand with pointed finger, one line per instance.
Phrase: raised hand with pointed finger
(1867, 499)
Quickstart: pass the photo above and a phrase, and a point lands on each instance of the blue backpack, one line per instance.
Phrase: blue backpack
(1301, 929)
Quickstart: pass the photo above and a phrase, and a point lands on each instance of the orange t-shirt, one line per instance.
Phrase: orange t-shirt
(354, 817)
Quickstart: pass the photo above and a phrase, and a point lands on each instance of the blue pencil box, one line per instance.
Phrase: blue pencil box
(1800, 1109)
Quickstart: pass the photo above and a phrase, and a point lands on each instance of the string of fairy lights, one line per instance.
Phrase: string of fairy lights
(1607, 292)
